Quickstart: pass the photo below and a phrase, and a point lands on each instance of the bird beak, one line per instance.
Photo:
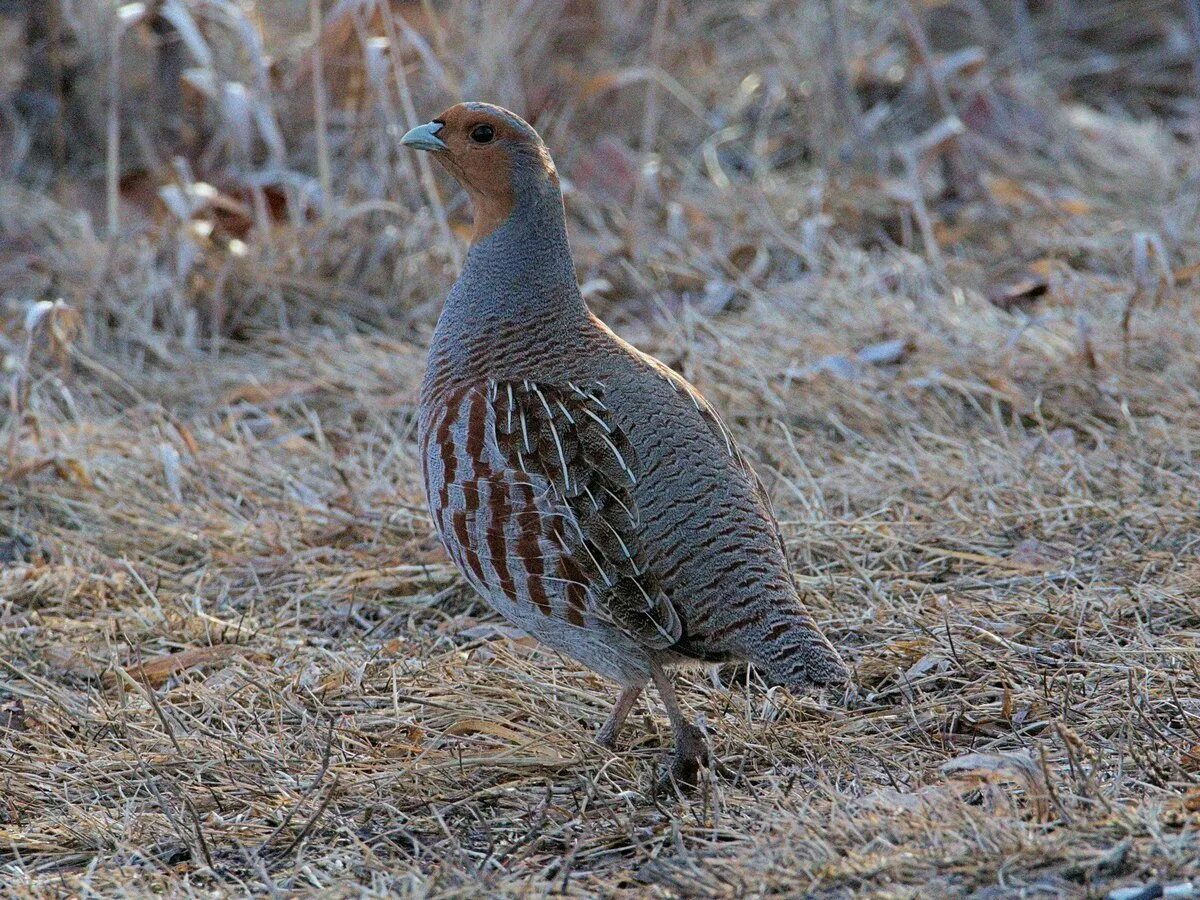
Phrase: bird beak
(424, 137)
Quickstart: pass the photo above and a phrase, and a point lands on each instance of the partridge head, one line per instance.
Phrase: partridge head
(495, 155)
(588, 492)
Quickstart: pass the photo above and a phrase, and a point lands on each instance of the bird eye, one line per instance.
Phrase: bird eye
(483, 134)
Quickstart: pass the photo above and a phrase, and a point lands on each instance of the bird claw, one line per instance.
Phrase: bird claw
(690, 751)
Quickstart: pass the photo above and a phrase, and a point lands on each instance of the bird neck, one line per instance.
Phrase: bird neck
(523, 268)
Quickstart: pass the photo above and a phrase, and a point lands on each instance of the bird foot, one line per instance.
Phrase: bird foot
(606, 736)
(684, 766)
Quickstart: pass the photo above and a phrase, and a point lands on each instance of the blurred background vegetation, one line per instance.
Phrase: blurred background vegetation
(183, 173)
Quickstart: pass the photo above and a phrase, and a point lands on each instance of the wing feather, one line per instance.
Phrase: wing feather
(563, 437)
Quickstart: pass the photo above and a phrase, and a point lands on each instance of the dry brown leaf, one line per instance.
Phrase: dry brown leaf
(1187, 274)
(334, 680)
(956, 233)
(1076, 207)
(919, 801)
(72, 662)
(1045, 267)
(72, 470)
(998, 768)
(25, 469)
(12, 716)
(473, 725)
(608, 171)
(602, 83)
(156, 671)
(188, 438)
(1008, 191)
(1020, 295)
(1190, 758)
(256, 394)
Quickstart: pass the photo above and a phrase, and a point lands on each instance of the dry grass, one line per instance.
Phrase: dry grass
(233, 658)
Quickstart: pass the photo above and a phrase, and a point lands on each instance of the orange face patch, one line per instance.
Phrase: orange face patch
(482, 147)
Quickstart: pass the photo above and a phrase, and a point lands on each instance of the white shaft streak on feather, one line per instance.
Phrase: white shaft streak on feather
(599, 421)
(511, 403)
(725, 434)
(650, 605)
(592, 398)
(620, 458)
(624, 547)
(633, 520)
(562, 459)
(600, 403)
(566, 412)
(592, 497)
(708, 411)
(702, 406)
(474, 484)
(608, 582)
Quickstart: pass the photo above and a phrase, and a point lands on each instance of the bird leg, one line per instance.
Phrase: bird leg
(607, 735)
(690, 749)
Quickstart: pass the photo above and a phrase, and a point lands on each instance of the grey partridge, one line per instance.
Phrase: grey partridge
(588, 492)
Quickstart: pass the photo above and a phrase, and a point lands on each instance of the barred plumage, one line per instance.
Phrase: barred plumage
(586, 490)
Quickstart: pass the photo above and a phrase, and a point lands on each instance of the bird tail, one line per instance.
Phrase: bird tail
(795, 654)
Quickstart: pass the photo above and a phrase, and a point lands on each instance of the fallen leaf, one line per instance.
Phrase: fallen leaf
(885, 352)
(840, 365)
(609, 171)
(922, 800)
(1187, 274)
(1044, 267)
(158, 670)
(1020, 295)
(72, 662)
(1018, 768)
(491, 630)
(1190, 760)
(956, 233)
(473, 725)
(1032, 552)
(70, 469)
(12, 715)
(751, 260)
(927, 663)
(334, 680)
(260, 394)
(16, 549)
(25, 469)
(1075, 207)
(189, 439)
(170, 459)
(1008, 191)
(837, 364)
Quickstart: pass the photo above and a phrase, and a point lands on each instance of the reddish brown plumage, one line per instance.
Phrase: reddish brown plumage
(483, 169)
